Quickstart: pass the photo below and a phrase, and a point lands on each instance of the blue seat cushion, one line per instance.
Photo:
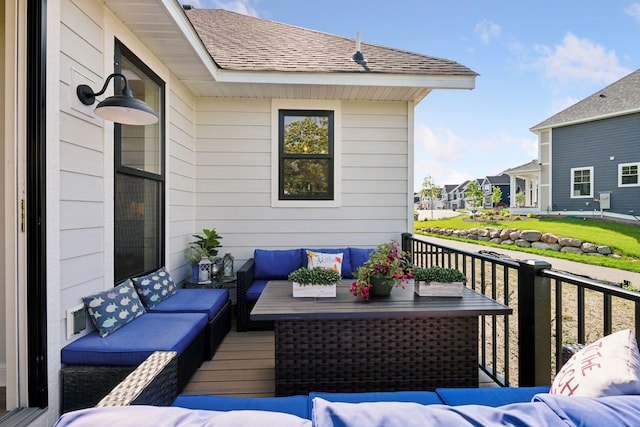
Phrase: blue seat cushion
(495, 397)
(346, 258)
(255, 289)
(135, 341)
(209, 301)
(276, 264)
(421, 397)
(295, 405)
(358, 257)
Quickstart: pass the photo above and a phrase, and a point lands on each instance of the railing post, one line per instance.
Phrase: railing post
(406, 242)
(534, 324)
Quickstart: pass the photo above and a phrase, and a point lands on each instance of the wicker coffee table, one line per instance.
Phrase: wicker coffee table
(347, 344)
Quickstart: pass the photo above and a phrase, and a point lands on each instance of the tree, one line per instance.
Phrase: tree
(430, 191)
(496, 195)
(521, 199)
(474, 195)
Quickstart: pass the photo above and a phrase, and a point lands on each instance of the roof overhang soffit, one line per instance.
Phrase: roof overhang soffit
(201, 66)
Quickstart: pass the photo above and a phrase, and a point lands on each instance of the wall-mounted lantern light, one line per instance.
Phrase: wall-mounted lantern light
(123, 108)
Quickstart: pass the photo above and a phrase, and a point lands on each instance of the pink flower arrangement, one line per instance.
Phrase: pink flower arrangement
(389, 262)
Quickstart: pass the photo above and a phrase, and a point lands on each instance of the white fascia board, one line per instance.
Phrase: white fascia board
(353, 79)
(588, 119)
(180, 18)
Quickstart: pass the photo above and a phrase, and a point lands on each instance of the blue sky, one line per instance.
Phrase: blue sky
(535, 58)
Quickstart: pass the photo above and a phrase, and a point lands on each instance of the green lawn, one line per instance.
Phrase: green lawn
(623, 239)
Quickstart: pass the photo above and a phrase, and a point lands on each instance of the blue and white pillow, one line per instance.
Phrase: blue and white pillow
(110, 310)
(155, 287)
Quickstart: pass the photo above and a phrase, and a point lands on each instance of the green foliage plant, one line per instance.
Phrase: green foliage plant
(209, 240)
(194, 254)
(314, 276)
(438, 274)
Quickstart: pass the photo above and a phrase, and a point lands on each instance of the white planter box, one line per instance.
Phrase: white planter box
(437, 289)
(313, 290)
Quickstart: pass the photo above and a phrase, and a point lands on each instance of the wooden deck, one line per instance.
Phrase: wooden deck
(243, 366)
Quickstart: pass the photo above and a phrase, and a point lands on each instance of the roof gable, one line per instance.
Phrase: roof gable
(620, 97)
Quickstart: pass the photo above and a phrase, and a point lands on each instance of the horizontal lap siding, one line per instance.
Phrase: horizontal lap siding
(82, 158)
(234, 179)
(181, 178)
(593, 144)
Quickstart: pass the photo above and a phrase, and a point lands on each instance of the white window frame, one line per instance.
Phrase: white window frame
(620, 166)
(307, 104)
(590, 195)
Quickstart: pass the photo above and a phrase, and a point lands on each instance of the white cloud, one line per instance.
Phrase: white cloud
(443, 144)
(633, 10)
(487, 30)
(580, 60)
(244, 7)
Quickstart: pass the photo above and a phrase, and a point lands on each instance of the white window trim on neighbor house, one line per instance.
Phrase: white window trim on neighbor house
(588, 196)
(622, 165)
(302, 104)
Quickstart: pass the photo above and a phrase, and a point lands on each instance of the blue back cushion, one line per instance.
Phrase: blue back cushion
(209, 301)
(296, 405)
(136, 340)
(346, 259)
(358, 257)
(495, 397)
(276, 264)
(421, 397)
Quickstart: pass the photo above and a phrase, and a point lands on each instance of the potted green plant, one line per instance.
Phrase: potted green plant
(439, 281)
(314, 282)
(388, 266)
(209, 240)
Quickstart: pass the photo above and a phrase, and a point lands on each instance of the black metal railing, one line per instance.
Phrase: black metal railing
(517, 350)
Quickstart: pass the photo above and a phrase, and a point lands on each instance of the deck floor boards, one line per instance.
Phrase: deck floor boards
(243, 366)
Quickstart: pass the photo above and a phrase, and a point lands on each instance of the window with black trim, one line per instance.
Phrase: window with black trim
(306, 154)
(139, 176)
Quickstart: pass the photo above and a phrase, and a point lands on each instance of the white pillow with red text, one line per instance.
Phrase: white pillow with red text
(324, 260)
(607, 367)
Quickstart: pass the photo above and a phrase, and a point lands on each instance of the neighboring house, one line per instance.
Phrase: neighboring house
(89, 202)
(446, 195)
(524, 178)
(590, 154)
(503, 182)
(457, 201)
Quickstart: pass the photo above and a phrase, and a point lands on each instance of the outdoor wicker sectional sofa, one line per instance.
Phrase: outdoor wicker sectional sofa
(189, 322)
(268, 264)
(145, 398)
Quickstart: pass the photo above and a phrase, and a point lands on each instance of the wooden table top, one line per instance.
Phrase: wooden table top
(277, 303)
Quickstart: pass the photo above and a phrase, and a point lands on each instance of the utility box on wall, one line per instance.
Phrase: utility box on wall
(605, 200)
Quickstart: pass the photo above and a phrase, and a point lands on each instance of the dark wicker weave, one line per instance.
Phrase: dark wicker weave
(358, 355)
(243, 307)
(154, 382)
(217, 329)
(84, 385)
(568, 350)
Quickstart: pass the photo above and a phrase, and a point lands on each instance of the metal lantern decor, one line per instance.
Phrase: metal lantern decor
(204, 270)
(227, 263)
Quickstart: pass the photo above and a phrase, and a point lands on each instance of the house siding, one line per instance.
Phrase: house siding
(233, 169)
(591, 145)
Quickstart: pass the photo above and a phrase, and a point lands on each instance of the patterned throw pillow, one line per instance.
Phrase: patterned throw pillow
(607, 367)
(326, 261)
(110, 310)
(155, 287)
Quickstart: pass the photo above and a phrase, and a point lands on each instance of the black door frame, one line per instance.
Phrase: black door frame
(36, 137)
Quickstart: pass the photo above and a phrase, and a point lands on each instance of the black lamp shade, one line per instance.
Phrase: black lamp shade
(126, 110)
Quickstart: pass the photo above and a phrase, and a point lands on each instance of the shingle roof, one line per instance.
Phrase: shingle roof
(498, 179)
(531, 166)
(620, 97)
(244, 43)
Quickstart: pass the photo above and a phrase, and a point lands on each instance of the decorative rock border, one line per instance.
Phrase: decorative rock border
(526, 239)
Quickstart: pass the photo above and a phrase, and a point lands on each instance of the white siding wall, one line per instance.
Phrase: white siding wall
(181, 174)
(234, 179)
